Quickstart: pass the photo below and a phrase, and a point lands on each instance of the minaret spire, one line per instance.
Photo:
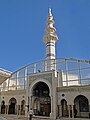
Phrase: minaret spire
(50, 12)
(50, 37)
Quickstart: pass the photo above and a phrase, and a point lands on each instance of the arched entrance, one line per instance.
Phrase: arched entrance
(23, 107)
(41, 99)
(81, 106)
(12, 106)
(3, 107)
(64, 108)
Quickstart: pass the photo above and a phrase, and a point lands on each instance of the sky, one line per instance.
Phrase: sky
(22, 27)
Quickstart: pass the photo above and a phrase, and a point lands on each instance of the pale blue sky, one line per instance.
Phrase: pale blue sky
(22, 24)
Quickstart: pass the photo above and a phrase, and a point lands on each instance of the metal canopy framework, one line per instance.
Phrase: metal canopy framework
(73, 72)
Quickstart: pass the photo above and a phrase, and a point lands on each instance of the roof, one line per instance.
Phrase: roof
(4, 74)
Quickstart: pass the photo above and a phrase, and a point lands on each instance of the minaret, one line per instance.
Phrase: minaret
(49, 39)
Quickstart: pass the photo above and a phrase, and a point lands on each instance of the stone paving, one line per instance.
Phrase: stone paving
(12, 117)
(1, 118)
(15, 117)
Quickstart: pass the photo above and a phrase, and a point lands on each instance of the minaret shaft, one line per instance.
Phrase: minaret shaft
(49, 39)
(50, 50)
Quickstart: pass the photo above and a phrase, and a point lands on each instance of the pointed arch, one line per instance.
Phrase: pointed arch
(39, 80)
(12, 106)
(81, 105)
(40, 91)
(64, 108)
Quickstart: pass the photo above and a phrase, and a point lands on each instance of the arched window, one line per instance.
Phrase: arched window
(81, 103)
(64, 108)
(41, 89)
(12, 106)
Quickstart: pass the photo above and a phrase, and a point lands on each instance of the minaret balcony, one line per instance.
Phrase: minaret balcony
(50, 30)
(50, 22)
(49, 37)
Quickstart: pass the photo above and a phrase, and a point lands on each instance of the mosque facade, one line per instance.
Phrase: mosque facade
(54, 87)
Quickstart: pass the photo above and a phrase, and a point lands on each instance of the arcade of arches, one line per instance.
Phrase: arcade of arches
(12, 107)
(41, 102)
(79, 109)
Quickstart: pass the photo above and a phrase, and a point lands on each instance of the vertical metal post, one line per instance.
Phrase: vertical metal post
(79, 67)
(34, 67)
(66, 67)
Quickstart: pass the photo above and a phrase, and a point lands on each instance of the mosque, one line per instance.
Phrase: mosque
(54, 87)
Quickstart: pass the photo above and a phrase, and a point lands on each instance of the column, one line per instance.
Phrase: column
(6, 109)
(17, 109)
(72, 111)
(51, 106)
(30, 102)
(60, 109)
(26, 111)
(69, 110)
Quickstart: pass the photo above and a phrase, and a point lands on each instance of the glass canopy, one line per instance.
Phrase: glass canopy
(73, 72)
